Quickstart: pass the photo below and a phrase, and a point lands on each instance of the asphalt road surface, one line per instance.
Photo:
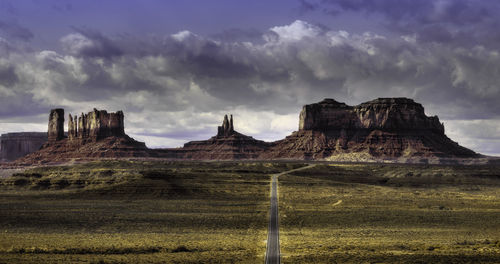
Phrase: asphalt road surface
(273, 233)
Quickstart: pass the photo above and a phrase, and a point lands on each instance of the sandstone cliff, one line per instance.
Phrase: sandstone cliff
(16, 145)
(386, 128)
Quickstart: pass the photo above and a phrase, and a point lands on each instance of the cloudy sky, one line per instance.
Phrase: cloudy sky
(176, 67)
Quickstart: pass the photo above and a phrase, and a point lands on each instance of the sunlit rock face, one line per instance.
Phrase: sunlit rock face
(56, 125)
(96, 125)
(382, 128)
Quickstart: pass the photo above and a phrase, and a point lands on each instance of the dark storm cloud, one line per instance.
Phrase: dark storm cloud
(90, 43)
(8, 76)
(295, 64)
(182, 82)
(20, 105)
(454, 22)
(238, 35)
(458, 12)
(15, 31)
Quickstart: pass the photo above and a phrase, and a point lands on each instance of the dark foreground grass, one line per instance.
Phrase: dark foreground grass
(137, 212)
(342, 213)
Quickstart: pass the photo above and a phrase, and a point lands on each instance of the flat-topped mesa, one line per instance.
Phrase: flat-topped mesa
(96, 125)
(227, 128)
(56, 125)
(388, 114)
(325, 115)
(396, 114)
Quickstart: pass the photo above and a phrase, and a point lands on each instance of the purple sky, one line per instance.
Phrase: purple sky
(175, 67)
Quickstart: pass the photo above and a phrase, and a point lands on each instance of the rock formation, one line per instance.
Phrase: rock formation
(96, 125)
(56, 125)
(383, 113)
(16, 145)
(386, 128)
(228, 144)
(227, 128)
(98, 134)
(395, 129)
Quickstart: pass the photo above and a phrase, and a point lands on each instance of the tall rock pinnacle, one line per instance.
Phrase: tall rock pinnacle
(56, 125)
(227, 128)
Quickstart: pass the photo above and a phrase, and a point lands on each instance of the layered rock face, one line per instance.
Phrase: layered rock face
(228, 144)
(383, 114)
(96, 125)
(16, 145)
(383, 128)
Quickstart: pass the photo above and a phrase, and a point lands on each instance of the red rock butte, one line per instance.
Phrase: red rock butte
(394, 129)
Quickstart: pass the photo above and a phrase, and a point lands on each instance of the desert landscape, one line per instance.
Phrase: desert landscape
(217, 212)
(401, 192)
(286, 131)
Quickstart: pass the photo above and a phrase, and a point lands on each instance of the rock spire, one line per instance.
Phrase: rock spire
(227, 128)
(56, 125)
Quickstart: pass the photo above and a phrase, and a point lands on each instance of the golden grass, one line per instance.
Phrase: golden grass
(387, 223)
(138, 212)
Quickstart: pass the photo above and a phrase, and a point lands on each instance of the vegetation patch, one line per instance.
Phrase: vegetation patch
(390, 214)
(137, 212)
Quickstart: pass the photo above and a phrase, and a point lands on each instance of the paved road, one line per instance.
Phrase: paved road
(273, 234)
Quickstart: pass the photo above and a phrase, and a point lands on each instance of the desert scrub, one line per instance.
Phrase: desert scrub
(356, 213)
(137, 212)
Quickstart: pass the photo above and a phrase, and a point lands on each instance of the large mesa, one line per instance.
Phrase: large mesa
(384, 128)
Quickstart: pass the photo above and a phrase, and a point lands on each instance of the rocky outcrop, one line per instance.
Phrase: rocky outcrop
(228, 144)
(227, 128)
(56, 125)
(395, 129)
(96, 125)
(394, 114)
(16, 145)
(98, 134)
(385, 128)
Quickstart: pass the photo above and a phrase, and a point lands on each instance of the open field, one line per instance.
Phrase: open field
(216, 212)
(351, 213)
(137, 212)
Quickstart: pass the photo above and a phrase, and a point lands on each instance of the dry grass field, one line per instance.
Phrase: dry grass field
(137, 212)
(341, 213)
(216, 212)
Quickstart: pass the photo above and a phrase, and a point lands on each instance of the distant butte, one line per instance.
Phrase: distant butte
(228, 144)
(97, 134)
(384, 129)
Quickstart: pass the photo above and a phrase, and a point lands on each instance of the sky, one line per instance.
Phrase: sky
(176, 67)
